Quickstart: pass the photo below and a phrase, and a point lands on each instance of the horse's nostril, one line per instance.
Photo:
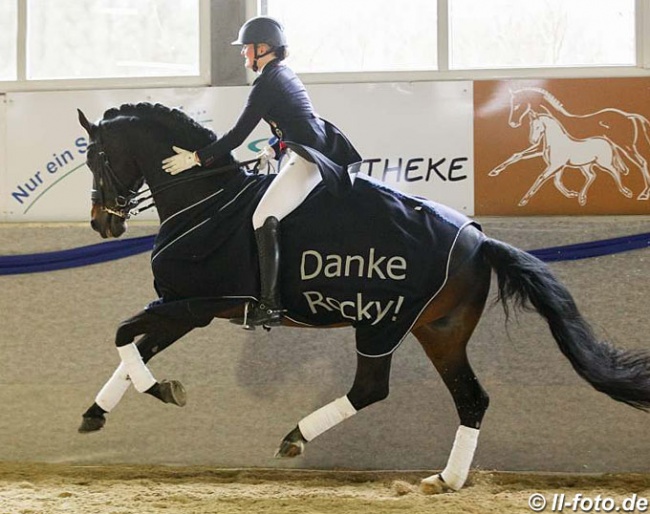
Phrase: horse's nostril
(93, 224)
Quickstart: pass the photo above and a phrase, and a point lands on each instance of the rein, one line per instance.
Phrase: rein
(130, 204)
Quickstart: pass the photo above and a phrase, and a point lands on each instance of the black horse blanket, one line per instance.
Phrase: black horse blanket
(374, 258)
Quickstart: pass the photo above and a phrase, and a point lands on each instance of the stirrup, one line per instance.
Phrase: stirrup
(255, 314)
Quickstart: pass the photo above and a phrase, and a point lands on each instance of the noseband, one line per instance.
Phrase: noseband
(107, 179)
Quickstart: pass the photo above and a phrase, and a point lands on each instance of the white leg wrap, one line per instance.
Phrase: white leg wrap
(460, 458)
(138, 372)
(326, 417)
(113, 390)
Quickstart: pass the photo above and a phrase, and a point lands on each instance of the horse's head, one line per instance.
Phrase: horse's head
(519, 107)
(127, 147)
(537, 128)
(113, 193)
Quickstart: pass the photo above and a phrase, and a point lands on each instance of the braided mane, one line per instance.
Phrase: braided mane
(551, 99)
(184, 128)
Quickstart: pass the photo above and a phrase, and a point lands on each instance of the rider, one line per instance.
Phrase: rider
(316, 150)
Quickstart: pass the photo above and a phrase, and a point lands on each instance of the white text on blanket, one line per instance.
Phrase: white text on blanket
(373, 266)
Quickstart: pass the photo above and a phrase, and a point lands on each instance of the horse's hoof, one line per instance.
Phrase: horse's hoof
(628, 193)
(289, 449)
(91, 424)
(172, 391)
(434, 485)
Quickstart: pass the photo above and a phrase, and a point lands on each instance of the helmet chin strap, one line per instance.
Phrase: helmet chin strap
(257, 56)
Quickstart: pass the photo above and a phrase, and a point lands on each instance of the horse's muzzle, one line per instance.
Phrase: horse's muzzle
(105, 224)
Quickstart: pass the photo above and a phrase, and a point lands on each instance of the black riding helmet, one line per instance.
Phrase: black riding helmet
(261, 29)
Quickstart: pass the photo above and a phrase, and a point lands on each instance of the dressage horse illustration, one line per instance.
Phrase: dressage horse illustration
(559, 150)
(628, 132)
(384, 262)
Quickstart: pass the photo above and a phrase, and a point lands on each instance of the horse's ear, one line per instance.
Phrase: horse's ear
(90, 128)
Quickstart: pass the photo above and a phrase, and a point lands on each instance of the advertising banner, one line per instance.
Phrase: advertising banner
(416, 137)
(562, 147)
(47, 179)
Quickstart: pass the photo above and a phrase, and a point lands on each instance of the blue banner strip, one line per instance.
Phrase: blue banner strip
(119, 249)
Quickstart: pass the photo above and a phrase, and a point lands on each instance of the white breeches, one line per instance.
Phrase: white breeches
(296, 179)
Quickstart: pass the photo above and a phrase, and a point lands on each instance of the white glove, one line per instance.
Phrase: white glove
(183, 160)
(265, 155)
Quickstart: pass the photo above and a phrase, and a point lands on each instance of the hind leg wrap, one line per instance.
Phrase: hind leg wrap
(326, 417)
(460, 459)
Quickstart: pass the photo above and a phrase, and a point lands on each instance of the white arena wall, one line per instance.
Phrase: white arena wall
(247, 390)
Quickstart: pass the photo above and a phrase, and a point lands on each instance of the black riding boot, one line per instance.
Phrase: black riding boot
(268, 311)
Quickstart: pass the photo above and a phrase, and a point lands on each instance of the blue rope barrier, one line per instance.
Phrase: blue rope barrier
(75, 257)
(119, 249)
(593, 248)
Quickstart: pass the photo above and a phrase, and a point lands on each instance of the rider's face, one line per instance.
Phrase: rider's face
(248, 51)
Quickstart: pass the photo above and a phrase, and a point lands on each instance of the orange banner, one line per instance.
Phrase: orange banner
(565, 146)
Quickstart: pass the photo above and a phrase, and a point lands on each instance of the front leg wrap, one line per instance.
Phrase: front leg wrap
(136, 368)
(113, 391)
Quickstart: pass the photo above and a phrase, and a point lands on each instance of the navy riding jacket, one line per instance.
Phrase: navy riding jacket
(279, 97)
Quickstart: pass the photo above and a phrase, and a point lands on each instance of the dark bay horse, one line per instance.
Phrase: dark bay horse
(125, 150)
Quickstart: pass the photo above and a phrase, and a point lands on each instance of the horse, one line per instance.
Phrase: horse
(562, 150)
(125, 150)
(559, 150)
(628, 132)
(536, 149)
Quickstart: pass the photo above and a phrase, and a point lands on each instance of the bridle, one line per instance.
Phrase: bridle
(129, 203)
(106, 179)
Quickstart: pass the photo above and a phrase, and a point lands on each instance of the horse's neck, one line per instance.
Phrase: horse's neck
(552, 128)
(175, 198)
(556, 112)
(172, 194)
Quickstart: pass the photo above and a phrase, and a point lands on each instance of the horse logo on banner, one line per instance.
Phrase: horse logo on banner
(602, 140)
(383, 262)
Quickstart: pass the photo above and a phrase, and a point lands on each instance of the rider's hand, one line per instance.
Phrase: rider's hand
(265, 155)
(183, 160)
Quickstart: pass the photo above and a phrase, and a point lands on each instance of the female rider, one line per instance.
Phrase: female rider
(316, 151)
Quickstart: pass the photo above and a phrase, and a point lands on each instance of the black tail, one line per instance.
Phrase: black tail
(530, 285)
